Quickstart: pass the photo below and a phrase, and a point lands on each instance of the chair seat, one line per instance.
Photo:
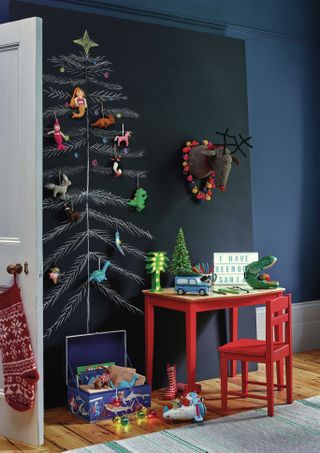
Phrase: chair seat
(248, 346)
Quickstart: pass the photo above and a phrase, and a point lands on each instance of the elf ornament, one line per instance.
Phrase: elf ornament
(59, 136)
(19, 366)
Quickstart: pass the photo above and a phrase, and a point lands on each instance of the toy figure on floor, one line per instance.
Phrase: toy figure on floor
(59, 136)
(192, 408)
(260, 281)
(78, 101)
(99, 275)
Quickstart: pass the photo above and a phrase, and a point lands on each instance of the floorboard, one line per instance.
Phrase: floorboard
(63, 431)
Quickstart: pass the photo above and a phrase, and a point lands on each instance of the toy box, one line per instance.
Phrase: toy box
(100, 404)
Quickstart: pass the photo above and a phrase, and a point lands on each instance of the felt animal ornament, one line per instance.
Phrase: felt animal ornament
(116, 165)
(118, 242)
(55, 275)
(139, 200)
(123, 138)
(59, 136)
(99, 275)
(105, 122)
(72, 215)
(78, 101)
(61, 188)
(210, 163)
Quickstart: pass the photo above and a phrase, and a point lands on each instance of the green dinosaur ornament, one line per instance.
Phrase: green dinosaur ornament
(139, 200)
(260, 281)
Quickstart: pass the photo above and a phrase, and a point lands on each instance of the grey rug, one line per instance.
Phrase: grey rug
(295, 428)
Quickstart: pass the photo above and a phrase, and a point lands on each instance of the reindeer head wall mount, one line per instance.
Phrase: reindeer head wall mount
(211, 163)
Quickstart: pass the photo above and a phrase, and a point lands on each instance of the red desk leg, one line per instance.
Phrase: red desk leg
(233, 319)
(191, 346)
(149, 337)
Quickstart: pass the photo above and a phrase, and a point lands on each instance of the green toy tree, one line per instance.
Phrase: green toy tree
(180, 263)
(156, 262)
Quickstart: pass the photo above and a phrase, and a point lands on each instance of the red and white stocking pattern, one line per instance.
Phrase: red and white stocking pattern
(19, 367)
(171, 391)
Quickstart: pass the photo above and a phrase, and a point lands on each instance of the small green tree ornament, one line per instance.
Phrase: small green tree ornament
(180, 263)
(156, 262)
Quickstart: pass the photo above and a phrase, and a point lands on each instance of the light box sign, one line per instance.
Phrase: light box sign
(229, 267)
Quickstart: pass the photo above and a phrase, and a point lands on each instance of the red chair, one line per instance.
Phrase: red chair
(275, 348)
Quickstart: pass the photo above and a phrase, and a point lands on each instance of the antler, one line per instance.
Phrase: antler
(238, 145)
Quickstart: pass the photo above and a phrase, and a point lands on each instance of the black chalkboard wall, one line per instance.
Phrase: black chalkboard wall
(184, 85)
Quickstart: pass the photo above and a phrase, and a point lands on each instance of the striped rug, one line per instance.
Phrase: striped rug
(295, 428)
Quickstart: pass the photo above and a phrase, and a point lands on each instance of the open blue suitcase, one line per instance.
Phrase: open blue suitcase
(99, 348)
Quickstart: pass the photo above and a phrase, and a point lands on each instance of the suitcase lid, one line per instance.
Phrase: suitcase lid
(92, 348)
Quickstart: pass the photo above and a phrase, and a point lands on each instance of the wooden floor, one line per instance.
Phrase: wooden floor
(63, 431)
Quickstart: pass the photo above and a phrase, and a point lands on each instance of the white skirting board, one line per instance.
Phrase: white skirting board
(305, 325)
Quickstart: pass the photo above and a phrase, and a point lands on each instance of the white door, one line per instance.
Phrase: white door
(20, 198)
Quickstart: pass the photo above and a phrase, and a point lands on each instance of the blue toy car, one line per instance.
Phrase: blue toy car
(195, 285)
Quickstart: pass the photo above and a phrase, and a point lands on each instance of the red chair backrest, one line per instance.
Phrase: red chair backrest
(278, 322)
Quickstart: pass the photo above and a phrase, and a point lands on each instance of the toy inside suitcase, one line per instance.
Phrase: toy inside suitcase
(100, 404)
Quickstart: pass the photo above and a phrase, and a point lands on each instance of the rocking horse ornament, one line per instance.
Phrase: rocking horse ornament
(210, 163)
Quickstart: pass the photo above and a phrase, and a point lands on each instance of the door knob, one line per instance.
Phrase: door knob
(14, 268)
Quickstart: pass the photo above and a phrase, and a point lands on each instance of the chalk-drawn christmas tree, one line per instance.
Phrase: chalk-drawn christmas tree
(92, 74)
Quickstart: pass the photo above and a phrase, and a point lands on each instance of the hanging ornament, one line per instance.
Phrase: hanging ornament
(94, 162)
(99, 275)
(85, 42)
(117, 420)
(61, 188)
(55, 275)
(78, 101)
(124, 421)
(104, 122)
(116, 162)
(123, 138)
(72, 215)
(106, 75)
(118, 242)
(58, 135)
(139, 199)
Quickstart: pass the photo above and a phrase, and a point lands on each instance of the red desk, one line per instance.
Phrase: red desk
(193, 304)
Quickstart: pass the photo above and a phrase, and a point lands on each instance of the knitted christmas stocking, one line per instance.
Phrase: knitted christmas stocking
(19, 367)
(171, 391)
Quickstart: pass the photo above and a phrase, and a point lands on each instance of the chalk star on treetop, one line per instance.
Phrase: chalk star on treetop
(85, 42)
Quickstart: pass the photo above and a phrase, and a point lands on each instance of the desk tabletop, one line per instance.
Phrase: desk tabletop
(170, 293)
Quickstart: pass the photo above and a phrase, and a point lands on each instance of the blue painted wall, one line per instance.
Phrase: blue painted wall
(283, 92)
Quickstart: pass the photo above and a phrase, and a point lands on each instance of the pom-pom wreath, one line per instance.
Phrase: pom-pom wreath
(207, 184)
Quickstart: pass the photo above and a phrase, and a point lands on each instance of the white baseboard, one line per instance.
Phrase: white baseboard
(305, 325)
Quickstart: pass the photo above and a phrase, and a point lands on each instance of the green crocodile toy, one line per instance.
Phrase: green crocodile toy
(139, 200)
(259, 280)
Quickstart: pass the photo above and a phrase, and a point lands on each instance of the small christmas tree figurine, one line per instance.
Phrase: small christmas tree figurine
(180, 263)
(156, 262)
